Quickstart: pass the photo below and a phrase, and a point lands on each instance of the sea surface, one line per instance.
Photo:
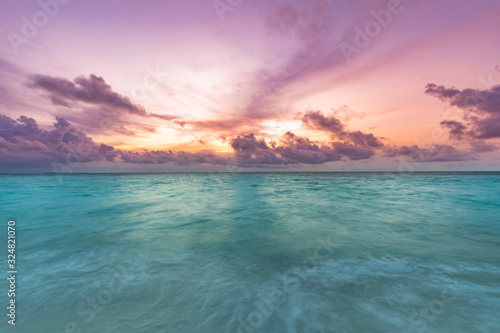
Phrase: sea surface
(254, 252)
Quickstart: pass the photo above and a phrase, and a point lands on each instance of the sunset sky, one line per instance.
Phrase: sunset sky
(229, 85)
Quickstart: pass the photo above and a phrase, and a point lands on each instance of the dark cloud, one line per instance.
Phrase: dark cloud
(92, 90)
(293, 149)
(353, 152)
(23, 142)
(480, 146)
(457, 129)
(102, 109)
(435, 153)
(169, 156)
(316, 120)
(249, 150)
(359, 138)
(482, 111)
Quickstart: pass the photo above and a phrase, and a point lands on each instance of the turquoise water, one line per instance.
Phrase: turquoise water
(296, 252)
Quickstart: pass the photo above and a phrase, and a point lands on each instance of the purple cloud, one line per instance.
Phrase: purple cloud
(102, 109)
(457, 129)
(169, 156)
(482, 111)
(480, 146)
(436, 153)
(293, 149)
(249, 150)
(92, 90)
(316, 120)
(23, 142)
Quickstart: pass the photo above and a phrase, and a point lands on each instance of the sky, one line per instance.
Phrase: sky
(249, 85)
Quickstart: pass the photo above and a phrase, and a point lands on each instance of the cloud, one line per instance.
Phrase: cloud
(355, 141)
(169, 156)
(101, 108)
(457, 129)
(306, 36)
(223, 127)
(249, 150)
(435, 153)
(92, 90)
(316, 120)
(482, 111)
(311, 45)
(480, 146)
(293, 149)
(98, 120)
(23, 142)
(362, 139)
(12, 88)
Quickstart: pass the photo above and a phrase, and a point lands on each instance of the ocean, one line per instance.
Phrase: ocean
(254, 252)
